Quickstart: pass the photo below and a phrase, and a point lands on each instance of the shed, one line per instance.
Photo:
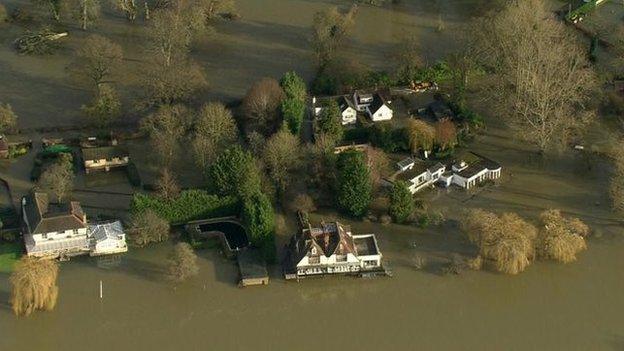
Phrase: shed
(252, 268)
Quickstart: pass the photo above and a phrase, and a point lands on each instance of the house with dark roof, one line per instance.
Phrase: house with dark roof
(331, 249)
(53, 230)
(375, 105)
(347, 110)
(470, 170)
(420, 176)
(467, 171)
(440, 111)
(105, 157)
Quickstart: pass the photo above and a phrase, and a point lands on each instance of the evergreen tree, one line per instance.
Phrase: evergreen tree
(293, 112)
(401, 202)
(354, 187)
(258, 217)
(293, 106)
(328, 122)
(235, 172)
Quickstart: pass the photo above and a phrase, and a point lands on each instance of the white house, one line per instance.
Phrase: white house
(419, 176)
(472, 170)
(53, 230)
(332, 249)
(469, 171)
(375, 106)
(347, 110)
(107, 238)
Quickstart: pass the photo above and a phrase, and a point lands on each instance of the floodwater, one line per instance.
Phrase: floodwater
(578, 306)
(551, 306)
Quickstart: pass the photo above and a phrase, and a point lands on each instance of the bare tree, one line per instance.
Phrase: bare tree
(167, 185)
(542, 81)
(166, 127)
(379, 165)
(445, 134)
(172, 30)
(8, 119)
(282, 156)
(33, 286)
(215, 130)
(330, 28)
(98, 58)
(302, 203)
(147, 227)
(85, 11)
(408, 58)
(214, 8)
(128, 7)
(182, 263)
(261, 104)
(58, 179)
(179, 82)
(54, 6)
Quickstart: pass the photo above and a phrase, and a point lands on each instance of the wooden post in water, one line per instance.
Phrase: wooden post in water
(100, 289)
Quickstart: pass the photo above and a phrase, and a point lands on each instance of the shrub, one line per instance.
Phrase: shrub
(561, 239)
(182, 263)
(391, 140)
(506, 241)
(188, 206)
(4, 17)
(147, 227)
(401, 202)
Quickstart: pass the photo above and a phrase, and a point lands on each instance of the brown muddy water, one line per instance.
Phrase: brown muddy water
(578, 306)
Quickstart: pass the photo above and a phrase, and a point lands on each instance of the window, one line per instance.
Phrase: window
(44, 235)
(75, 231)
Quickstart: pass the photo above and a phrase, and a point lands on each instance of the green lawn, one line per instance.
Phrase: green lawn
(9, 254)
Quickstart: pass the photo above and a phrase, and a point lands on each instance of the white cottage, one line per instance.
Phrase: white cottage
(375, 105)
(419, 177)
(347, 111)
(332, 249)
(53, 230)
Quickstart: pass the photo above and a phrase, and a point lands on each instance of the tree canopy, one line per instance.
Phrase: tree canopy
(353, 185)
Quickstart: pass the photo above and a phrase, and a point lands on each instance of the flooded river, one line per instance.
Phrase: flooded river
(579, 306)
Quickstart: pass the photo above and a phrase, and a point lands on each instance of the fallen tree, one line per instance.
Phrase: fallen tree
(41, 42)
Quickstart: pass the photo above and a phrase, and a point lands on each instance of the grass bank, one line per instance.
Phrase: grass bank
(9, 255)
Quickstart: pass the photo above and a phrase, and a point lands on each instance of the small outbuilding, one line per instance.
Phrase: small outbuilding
(105, 157)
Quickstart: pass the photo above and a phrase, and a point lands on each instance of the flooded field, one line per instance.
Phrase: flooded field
(578, 306)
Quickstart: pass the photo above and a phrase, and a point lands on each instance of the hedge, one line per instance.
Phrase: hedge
(189, 206)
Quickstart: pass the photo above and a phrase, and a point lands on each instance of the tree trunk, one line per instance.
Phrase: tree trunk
(147, 11)
(84, 14)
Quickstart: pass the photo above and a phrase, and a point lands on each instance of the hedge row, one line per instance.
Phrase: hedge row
(189, 206)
